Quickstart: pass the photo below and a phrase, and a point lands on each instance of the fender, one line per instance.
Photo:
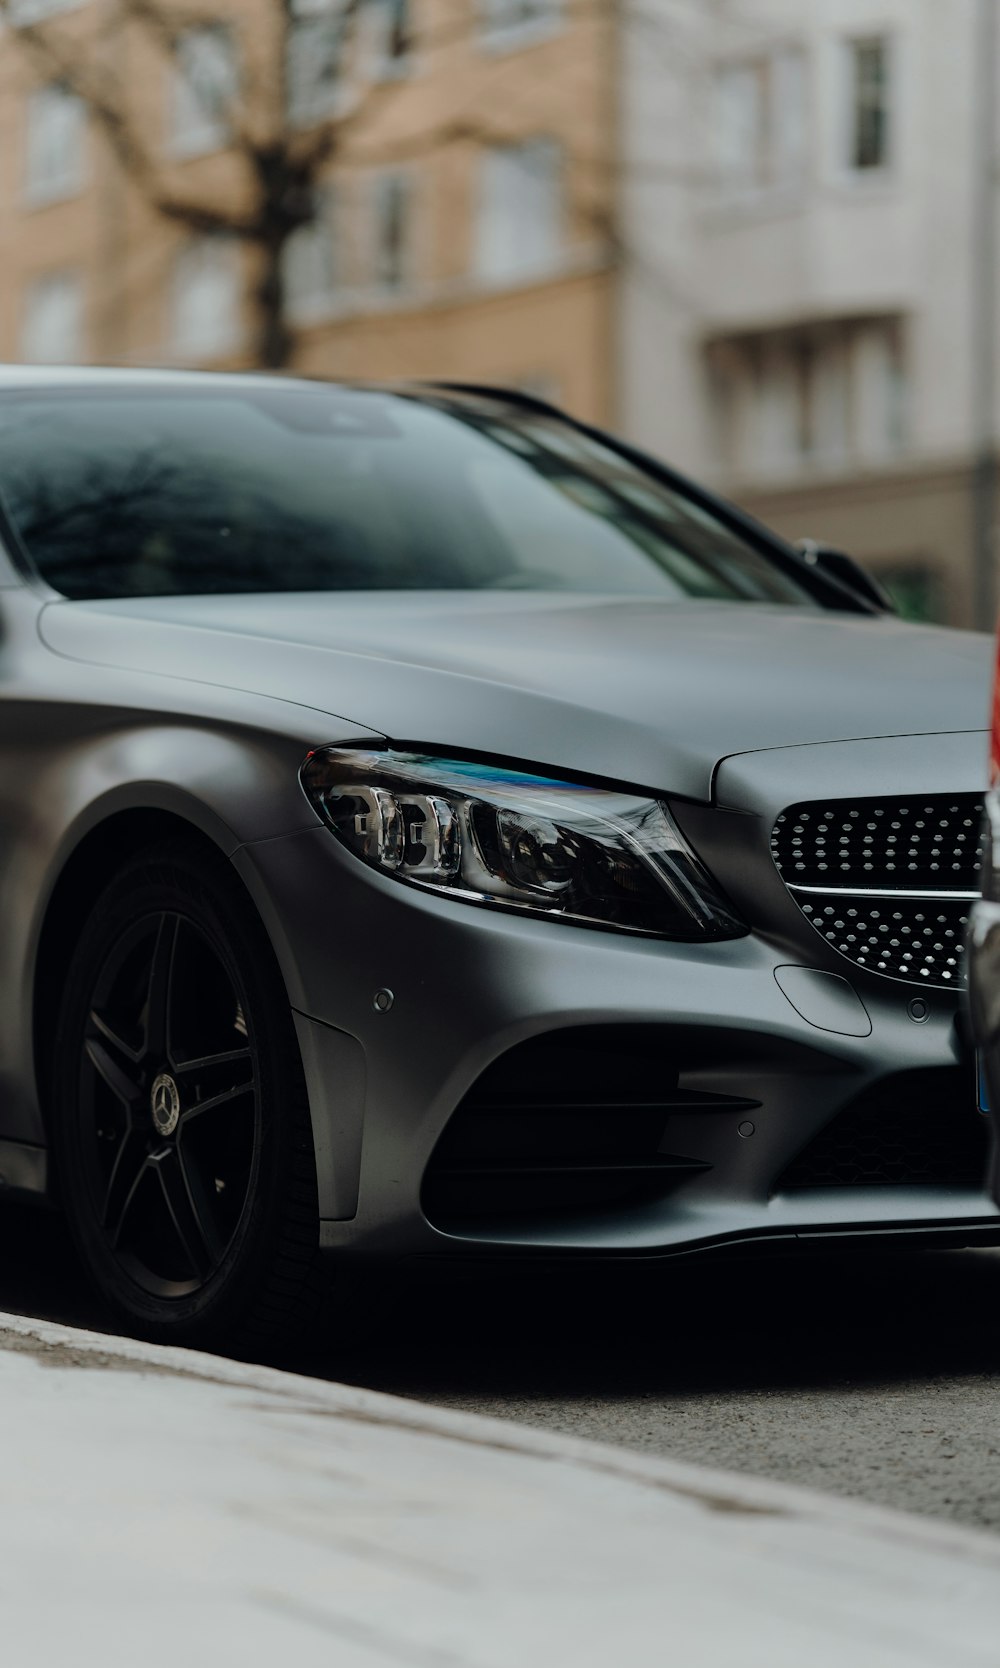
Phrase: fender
(232, 784)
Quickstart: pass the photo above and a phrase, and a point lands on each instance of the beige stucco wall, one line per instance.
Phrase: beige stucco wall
(550, 337)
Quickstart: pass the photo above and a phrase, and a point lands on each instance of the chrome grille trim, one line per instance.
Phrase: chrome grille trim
(841, 861)
(879, 892)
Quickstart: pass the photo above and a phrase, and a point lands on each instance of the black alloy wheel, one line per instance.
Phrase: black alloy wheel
(180, 1124)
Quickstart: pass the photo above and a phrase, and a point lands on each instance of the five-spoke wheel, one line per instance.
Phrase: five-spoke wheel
(180, 1123)
(169, 1101)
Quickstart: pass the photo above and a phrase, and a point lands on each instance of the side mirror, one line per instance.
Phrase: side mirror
(847, 572)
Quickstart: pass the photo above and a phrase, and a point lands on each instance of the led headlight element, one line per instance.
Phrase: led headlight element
(507, 838)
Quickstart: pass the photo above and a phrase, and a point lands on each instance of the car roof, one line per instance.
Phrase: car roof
(26, 377)
(19, 378)
(62, 376)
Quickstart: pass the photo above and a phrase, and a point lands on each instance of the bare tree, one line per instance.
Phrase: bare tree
(289, 110)
(285, 115)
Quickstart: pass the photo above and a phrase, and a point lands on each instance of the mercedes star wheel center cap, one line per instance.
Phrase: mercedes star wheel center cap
(166, 1104)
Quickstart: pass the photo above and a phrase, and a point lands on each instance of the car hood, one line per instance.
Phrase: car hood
(640, 691)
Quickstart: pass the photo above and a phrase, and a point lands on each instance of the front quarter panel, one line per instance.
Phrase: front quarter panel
(81, 744)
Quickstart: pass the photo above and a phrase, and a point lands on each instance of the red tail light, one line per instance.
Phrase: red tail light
(995, 726)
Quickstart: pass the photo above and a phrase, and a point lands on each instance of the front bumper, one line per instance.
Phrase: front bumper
(469, 985)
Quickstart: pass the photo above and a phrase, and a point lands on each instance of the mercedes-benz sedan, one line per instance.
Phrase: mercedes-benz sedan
(429, 828)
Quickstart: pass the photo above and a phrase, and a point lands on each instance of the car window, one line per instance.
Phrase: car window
(217, 488)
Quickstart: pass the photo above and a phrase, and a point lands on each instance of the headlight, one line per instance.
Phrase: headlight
(502, 837)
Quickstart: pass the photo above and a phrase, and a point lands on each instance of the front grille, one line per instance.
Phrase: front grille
(887, 882)
(916, 1128)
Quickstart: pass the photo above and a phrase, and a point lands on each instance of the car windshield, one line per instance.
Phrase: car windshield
(222, 488)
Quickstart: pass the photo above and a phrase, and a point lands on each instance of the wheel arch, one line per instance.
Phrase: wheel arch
(106, 837)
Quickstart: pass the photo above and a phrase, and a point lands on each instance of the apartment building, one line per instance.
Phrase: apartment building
(810, 295)
(460, 216)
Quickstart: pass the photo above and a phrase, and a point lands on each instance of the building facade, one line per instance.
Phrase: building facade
(810, 294)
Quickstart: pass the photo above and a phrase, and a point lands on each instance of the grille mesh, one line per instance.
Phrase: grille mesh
(857, 870)
(916, 1128)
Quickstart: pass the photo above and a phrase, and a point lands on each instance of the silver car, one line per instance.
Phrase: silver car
(430, 828)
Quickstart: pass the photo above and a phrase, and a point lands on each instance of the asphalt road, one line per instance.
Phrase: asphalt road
(876, 1377)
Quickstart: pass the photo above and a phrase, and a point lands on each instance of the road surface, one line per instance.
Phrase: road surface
(873, 1377)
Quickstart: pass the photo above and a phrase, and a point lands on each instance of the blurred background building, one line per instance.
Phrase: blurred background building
(424, 181)
(757, 236)
(810, 299)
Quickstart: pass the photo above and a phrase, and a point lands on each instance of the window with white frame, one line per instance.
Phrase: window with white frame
(760, 122)
(829, 396)
(519, 219)
(516, 22)
(312, 266)
(52, 324)
(54, 146)
(390, 38)
(880, 388)
(315, 59)
(206, 298)
(867, 123)
(204, 84)
(392, 230)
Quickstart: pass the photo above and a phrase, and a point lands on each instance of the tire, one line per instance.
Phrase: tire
(179, 1119)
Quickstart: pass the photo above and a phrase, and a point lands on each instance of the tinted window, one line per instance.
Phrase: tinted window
(219, 489)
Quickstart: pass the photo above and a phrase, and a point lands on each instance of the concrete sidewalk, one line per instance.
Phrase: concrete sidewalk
(159, 1507)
